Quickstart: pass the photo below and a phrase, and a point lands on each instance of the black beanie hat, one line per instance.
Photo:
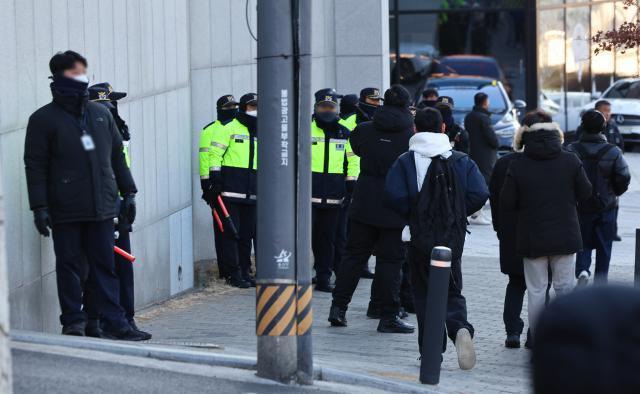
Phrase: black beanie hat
(397, 96)
(593, 121)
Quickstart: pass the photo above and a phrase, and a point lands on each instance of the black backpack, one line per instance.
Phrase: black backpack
(601, 199)
(438, 216)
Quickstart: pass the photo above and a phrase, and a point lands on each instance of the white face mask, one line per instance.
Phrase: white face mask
(252, 113)
(82, 78)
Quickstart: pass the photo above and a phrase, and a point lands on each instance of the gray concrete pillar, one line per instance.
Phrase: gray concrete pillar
(5, 351)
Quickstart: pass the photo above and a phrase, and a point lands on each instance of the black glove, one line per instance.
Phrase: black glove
(207, 193)
(128, 209)
(42, 220)
(216, 185)
(350, 186)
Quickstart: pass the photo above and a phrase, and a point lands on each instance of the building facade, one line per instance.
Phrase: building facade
(174, 58)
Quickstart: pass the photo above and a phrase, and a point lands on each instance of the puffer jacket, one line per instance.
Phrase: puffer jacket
(613, 166)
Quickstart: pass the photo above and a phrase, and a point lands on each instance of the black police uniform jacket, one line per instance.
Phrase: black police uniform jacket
(75, 184)
(483, 141)
(379, 143)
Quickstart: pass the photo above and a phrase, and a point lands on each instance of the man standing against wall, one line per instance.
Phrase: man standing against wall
(75, 167)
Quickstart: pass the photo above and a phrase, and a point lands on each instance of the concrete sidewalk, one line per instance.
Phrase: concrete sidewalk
(228, 319)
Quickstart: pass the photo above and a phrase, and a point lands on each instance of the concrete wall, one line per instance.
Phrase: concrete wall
(141, 47)
(174, 58)
(5, 352)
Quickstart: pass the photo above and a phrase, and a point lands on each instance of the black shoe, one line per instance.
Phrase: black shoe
(74, 329)
(512, 341)
(373, 311)
(529, 342)
(126, 334)
(239, 283)
(402, 313)
(324, 287)
(145, 334)
(338, 316)
(367, 274)
(314, 280)
(617, 238)
(93, 329)
(250, 280)
(395, 325)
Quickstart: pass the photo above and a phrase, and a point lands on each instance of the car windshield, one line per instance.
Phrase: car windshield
(481, 68)
(463, 97)
(625, 90)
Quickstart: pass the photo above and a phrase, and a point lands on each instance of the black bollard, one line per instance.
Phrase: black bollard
(436, 311)
(637, 272)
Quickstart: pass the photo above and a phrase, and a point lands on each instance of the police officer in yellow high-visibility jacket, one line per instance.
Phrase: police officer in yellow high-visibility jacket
(334, 169)
(234, 162)
(227, 109)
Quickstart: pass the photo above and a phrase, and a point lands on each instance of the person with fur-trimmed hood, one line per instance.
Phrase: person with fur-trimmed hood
(541, 191)
(505, 226)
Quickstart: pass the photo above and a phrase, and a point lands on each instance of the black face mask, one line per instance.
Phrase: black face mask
(225, 115)
(250, 122)
(72, 95)
(368, 109)
(326, 117)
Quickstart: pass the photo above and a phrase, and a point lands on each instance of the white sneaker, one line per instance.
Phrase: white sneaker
(583, 278)
(465, 350)
(479, 220)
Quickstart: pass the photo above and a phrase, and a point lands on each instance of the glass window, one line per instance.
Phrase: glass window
(421, 5)
(463, 97)
(602, 64)
(627, 62)
(578, 53)
(549, 2)
(626, 90)
(551, 63)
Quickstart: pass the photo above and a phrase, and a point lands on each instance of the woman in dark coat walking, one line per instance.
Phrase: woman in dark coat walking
(505, 226)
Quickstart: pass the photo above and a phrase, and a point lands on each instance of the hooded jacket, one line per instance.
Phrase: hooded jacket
(542, 189)
(378, 144)
(406, 176)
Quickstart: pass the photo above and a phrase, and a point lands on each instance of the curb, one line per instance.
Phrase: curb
(321, 373)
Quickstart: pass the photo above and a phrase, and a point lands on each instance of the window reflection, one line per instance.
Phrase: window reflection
(627, 62)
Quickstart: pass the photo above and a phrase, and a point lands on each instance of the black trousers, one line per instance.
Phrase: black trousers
(78, 245)
(419, 263)
(406, 295)
(363, 239)
(236, 253)
(513, 323)
(217, 239)
(340, 241)
(324, 226)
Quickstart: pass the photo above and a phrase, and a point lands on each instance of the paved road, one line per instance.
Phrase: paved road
(51, 369)
(228, 319)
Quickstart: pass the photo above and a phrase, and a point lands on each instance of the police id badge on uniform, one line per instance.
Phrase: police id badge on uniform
(87, 142)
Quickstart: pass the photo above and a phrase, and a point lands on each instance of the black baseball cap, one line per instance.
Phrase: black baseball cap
(370, 93)
(445, 100)
(227, 99)
(327, 95)
(249, 98)
(104, 92)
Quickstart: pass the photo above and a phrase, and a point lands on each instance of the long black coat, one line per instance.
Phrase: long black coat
(542, 189)
(483, 141)
(76, 185)
(379, 143)
(505, 223)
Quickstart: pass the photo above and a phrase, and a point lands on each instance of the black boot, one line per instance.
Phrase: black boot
(512, 341)
(125, 334)
(74, 329)
(395, 325)
(338, 316)
(93, 329)
(145, 334)
(373, 311)
(238, 282)
(250, 280)
(324, 287)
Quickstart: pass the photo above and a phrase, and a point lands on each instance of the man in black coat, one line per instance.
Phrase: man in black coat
(611, 131)
(505, 226)
(541, 190)
(483, 143)
(598, 224)
(75, 167)
(373, 226)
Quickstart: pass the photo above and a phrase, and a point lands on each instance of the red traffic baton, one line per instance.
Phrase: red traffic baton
(129, 257)
(227, 218)
(218, 221)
